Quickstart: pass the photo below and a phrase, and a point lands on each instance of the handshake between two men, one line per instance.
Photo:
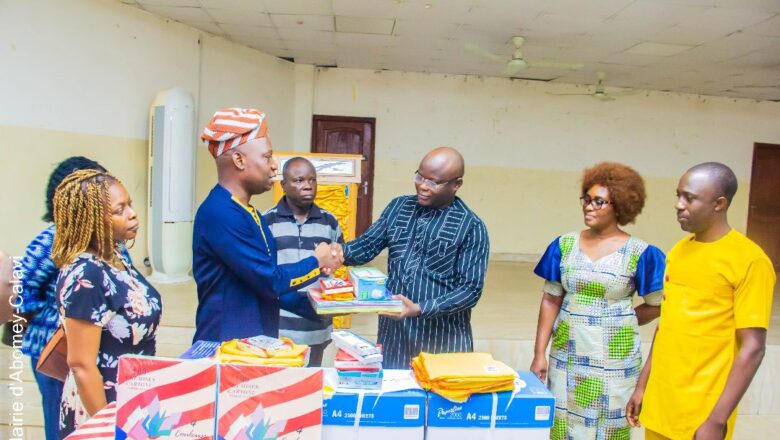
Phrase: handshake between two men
(329, 256)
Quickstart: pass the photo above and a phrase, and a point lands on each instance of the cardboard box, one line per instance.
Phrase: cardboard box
(259, 402)
(526, 413)
(165, 398)
(369, 282)
(380, 415)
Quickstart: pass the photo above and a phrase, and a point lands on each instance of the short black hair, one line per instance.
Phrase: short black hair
(62, 171)
(289, 162)
(722, 175)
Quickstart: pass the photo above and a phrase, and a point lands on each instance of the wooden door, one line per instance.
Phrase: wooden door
(764, 209)
(350, 135)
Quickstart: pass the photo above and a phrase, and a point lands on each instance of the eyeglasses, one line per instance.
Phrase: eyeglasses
(597, 203)
(418, 178)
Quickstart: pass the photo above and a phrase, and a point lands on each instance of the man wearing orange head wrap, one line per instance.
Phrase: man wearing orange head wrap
(234, 254)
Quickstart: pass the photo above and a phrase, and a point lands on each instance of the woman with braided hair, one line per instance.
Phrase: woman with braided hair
(106, 305)
(38, 300)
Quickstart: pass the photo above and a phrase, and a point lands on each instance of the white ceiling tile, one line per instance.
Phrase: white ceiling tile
(426, 28)
(308, 35)
(769, 27)
(191, 3)
(208, 27)
(365, 8)
(739, 44)
(572, 24)
(727, 20)
(755, 5)
(509, 16)
(358, 25)
(239, 5)
(234, 16)
(250, 31)
(761, 59)
(182, 14)
(687, 35)
(347, 41)
(651, 11)
(631, 59)
(658, 49)
(312, 22)
(305, 7)
(598, 9)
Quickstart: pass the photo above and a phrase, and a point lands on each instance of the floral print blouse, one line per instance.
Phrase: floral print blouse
(122, 303)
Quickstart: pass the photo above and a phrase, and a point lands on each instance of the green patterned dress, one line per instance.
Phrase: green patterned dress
(595, 357)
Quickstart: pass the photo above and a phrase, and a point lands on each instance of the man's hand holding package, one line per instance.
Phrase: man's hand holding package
(409, 310)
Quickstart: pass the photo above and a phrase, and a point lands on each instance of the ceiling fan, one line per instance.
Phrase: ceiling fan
(518, 61)
(600, 92)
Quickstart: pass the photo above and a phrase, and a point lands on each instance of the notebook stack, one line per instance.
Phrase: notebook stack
(336, 289)
(358, 362)
(325, 307)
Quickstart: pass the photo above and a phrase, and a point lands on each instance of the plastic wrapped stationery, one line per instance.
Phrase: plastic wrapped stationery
(369, 282)
(358, 362)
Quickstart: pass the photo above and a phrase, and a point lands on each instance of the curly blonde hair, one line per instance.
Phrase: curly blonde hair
(82, 217)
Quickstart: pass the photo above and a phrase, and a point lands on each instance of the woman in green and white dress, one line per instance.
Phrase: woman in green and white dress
(587, 308)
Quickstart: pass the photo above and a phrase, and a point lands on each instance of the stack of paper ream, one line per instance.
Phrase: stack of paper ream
(523, 413)
(457, 375)
(395, 412)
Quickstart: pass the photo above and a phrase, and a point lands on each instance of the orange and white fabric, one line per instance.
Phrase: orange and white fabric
(231, 127)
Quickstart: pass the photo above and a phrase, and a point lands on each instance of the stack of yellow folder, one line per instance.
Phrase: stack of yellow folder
(284, 354)
(458, 375)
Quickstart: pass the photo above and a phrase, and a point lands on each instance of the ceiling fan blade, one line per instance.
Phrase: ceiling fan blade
(603, 97)
(552, 64)
(626, 92)
(476, 50)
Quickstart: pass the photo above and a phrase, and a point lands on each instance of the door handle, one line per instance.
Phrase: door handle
(365, 188)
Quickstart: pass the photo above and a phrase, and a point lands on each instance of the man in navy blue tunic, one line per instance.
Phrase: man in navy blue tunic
(234, 254)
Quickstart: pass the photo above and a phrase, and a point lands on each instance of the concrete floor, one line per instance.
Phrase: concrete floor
(504, 324)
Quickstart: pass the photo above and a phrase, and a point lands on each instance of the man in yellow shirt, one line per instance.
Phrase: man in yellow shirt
(715, 311)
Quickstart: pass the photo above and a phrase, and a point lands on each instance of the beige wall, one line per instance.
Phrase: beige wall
(525, 147)
(80, 77)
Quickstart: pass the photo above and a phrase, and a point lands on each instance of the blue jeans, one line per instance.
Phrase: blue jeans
(51, 395)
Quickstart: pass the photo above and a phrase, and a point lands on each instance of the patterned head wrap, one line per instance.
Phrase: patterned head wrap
(231, 127)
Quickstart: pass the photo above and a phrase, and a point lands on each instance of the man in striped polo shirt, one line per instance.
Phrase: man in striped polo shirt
(298, 226)
(437, 258)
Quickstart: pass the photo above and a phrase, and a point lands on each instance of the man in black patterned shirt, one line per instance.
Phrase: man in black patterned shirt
(437, 258)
